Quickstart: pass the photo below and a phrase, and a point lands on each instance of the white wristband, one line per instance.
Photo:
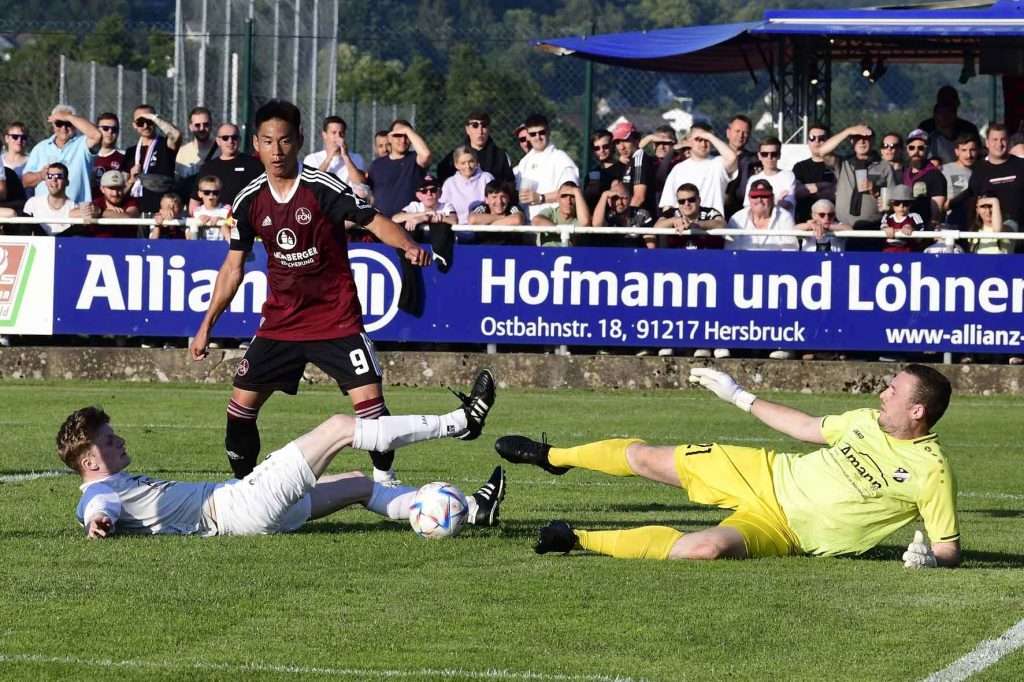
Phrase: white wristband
(743, 399)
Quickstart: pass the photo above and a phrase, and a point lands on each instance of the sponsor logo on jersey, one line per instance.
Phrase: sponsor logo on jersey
(901, 475)
(243, 367)
(379, 285)
(303, 216)
(854, 458)
(857, 433)
(267, 222)
(15, 265)
(285, 239)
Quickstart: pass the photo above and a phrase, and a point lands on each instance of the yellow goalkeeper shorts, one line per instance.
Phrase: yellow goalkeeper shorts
(733, 477)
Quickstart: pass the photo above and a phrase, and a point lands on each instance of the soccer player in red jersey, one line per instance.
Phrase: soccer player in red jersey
(312, 312)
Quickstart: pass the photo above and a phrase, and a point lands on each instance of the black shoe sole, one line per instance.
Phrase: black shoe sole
(556, 537)
(523, 450)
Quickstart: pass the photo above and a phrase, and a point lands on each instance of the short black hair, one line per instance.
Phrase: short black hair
(328, 120)
(60, 166)
(107, 116)
(399, 121)
(599, 135)
(964, 138)
(770, 141)
(688, 187)
(818, 125)
(741, 117)
(481, 116)
(667, 130)
(701, 125)
(282, 110)
(495, 186)
(534, 120)
(199, 110)
(933, 391)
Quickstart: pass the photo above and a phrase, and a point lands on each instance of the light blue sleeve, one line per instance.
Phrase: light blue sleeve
(99, 499)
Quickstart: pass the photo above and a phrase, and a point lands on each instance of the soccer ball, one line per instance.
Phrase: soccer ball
(438, 511)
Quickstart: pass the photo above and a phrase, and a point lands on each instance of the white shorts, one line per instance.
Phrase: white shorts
(274, 498)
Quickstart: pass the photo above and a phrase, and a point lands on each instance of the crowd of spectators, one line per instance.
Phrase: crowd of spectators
(943, 173)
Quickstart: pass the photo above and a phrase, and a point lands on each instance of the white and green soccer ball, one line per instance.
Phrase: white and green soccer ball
(438, 511)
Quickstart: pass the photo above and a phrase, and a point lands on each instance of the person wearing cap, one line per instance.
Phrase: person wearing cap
(900, 219)
(541, 174)
(762, 213)
(947, 99)
(113, 202)
(606, 168)
(426, 209)
(490, 157)
(926, 182)
(783, 182)
(860, 180)
(641, 168)
(710, 174)
(1002, 175)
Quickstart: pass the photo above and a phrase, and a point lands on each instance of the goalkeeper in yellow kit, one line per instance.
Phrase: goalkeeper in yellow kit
(878, 471)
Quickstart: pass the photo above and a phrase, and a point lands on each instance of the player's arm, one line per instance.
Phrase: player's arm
(229, 278)
(390, 233)
(782, 418)
(100, 508)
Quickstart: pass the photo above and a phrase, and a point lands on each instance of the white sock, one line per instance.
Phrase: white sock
(392, 502)
(387, 433)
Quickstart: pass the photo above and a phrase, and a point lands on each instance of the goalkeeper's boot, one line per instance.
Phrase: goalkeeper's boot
(477, 404)
(485, 503)
(523, 450)
(557, 536)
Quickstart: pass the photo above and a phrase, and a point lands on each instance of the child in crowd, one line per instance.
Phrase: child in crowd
(210, 212)
(171, 208)
(899, 218)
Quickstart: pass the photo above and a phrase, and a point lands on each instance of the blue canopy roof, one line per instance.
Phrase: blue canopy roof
(898, 34)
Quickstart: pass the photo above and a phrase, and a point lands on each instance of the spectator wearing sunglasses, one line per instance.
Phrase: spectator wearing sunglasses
(900, 220)
(893, 152)
(689, 215)
(541, 174)
(490, 157)
(823, 223)
(200, 149)
(815, 177)
(151, 160)
(72, 143)
(108, 156)
(211, 211)
(762, 213)
(395, 177)
(926, 182)
(860, 179)
(234, 170)
(641, 167)
(783, 182)
(522, 139)
(15, 144)
(668, 151)
(427, 209)
(711, 174)
(606, 168)
(55, 204)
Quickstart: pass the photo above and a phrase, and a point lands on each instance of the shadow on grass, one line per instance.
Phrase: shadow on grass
(997, 513)
(652, 507)
(970, 558)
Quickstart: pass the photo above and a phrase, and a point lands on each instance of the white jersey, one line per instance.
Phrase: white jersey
(140, 504)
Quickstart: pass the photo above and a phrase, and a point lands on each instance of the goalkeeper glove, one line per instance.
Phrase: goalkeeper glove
(919, 554)
(724, 386)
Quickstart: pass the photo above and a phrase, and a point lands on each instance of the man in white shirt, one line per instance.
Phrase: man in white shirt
(762, 214)
(783, 182)
(710, 174)
(201, 148)
(55, 204)
(334, 157)
(280, 494)
(543, 170)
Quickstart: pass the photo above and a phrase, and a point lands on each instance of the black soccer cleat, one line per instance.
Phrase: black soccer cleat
(557, 536)
(477, 404)
(523, 450)
(488, 500)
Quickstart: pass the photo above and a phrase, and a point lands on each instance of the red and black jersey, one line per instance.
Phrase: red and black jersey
(312, 293)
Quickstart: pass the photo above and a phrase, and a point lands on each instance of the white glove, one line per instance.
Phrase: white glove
(724, 386)
(919, 554)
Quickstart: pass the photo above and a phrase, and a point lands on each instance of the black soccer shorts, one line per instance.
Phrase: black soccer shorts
(270, 365)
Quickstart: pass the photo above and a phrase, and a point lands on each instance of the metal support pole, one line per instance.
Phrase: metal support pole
(234, 86)
(225, 82)
(295, 51)
(62, 81)
(177, 61)
(276, 48)
(588, 116)
(332, 65)
(412, 115)
(120, 92)
(145, 88)
(312, 74)
(92, 91)
(250, 27)
(201, 65)
(993, 106)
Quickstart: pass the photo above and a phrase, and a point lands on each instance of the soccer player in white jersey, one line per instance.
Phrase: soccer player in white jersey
(280, 494)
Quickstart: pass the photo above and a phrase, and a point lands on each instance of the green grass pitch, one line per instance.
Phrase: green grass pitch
(359, 598)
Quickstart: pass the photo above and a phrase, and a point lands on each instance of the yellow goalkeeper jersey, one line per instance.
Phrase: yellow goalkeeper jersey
(849, 496)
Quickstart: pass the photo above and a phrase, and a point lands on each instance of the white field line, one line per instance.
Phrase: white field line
(22, 478)
(357, 673)
(987, 653)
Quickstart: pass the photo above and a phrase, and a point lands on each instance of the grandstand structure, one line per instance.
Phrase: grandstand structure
(797, 48)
